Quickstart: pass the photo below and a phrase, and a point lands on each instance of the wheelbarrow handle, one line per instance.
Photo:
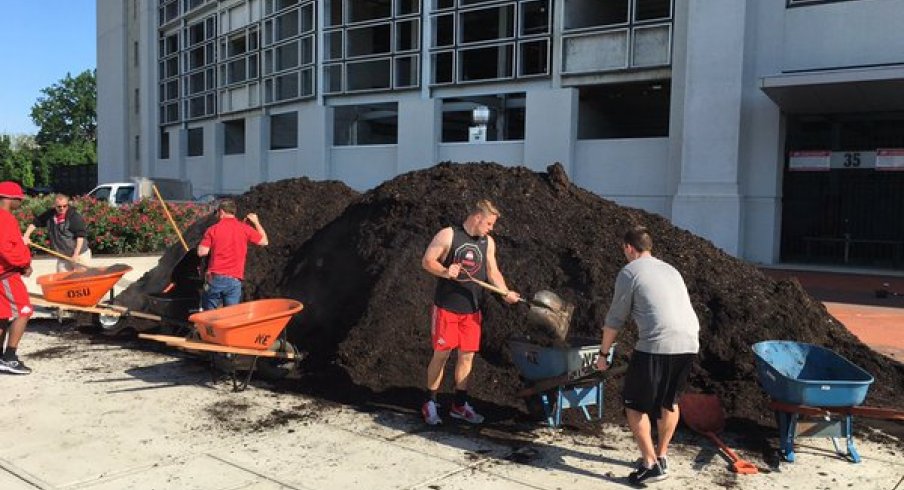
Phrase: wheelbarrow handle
(575, 376)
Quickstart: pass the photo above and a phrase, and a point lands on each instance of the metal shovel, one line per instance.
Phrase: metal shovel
(546, 308)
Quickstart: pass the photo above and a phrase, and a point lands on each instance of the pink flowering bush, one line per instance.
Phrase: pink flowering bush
(140, 227)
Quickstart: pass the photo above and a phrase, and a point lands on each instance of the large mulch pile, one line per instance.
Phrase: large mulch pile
(365, 323)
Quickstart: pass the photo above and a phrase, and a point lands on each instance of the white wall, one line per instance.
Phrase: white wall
(631, 172)
(112, 102)
(843, 34)
(363, 167)
(503, 152)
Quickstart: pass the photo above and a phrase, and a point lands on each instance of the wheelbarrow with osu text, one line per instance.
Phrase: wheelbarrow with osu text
(244, 330)
(82, 291)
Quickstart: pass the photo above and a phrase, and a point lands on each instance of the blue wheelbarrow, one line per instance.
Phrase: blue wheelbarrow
(564, 376)
(809, 380)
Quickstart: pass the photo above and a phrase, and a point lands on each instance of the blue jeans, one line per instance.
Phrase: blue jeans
(221, 291)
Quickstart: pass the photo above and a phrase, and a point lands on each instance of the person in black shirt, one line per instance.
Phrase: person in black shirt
(66, 231)
(455, 253)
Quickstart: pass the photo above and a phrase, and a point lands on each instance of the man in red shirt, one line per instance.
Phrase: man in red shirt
(15, 261)
(227, 245)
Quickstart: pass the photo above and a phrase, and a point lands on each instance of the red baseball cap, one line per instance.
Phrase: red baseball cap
(11, 190)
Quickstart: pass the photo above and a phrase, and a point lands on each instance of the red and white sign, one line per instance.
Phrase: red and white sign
(890, 159)
(810, 161)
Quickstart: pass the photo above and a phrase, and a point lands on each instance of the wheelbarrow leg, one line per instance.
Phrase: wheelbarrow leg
(236, 386)
(849, 440)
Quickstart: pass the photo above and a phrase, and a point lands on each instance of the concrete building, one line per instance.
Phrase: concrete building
(771, 127)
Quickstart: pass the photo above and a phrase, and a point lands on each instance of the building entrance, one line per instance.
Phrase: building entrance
(843, 191)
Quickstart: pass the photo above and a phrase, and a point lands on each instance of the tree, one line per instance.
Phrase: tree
(67, 112)
(15, 163)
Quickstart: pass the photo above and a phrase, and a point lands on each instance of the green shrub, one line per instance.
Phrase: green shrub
(141, 227)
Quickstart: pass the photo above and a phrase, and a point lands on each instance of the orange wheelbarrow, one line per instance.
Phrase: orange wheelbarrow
(246, 329)
(81, 288)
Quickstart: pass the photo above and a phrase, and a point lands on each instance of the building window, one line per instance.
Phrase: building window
(626, 110)
(199, 64)
(289, 51)
(195, 142)
(473, 42)
(169, 88)
(801, 3)
(164, 144)
(137, 147)
(167, 11)
(372, 45)
(505, 120)
(234, 137)
(616, 35)
(284, 131)
(367, 124)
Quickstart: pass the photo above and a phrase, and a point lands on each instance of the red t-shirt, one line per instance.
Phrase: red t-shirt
(13, 252)
(228, 242)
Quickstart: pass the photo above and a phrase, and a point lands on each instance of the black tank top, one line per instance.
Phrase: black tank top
(471, 253)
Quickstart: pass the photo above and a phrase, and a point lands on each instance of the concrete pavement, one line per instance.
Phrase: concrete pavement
(101, 414)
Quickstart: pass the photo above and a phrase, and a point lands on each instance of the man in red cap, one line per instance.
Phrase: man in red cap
(15, 261)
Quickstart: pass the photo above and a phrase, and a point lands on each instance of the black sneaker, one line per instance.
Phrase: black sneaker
(663, 463)
(643, 475)
(14, 367)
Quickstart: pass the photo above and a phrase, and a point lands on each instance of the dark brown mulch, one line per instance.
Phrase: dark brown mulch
(365, 322)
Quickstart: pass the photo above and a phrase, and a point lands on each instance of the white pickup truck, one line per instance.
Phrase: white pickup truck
(119, 193)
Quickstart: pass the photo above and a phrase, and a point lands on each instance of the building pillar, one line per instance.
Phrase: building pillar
(706, 158)
(550, 128)
(420, 121)
(314, 141)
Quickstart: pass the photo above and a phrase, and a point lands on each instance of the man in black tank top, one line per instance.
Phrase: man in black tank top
(454, 254)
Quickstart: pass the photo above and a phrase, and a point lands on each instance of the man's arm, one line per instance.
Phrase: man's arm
(255, 222)
(609, 335)
(616, 317)
(39, 221)
(436, 252)
(494, 275)
(79, 229)
(26, 237)
(12, 247)
(206, 242)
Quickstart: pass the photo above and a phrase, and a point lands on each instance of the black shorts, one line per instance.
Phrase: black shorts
(654, 381)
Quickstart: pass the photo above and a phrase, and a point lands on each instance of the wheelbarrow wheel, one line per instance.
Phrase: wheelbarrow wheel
(277, 369)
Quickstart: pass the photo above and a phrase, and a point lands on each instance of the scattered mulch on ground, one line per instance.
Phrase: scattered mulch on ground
(51, 352)
(239, 416)
(355, 264)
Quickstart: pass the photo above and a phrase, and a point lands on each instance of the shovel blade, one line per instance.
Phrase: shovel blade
(556, 321)
(744, 468)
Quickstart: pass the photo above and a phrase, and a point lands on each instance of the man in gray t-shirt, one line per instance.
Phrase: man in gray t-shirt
(653, 294)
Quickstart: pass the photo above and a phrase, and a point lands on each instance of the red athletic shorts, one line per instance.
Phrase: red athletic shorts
(452, 330)
(14, 301)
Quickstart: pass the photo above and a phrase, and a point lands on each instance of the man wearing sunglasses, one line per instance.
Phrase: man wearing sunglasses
(67, 233)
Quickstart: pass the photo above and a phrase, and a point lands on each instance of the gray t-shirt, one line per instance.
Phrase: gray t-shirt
(654, 294)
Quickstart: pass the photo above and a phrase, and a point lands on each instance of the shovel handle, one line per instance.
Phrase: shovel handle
(495, 289)
(55, 254)
(738, 465)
